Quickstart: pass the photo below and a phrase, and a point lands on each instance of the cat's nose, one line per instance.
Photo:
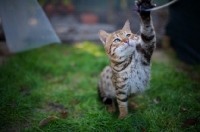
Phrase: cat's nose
(126, 41)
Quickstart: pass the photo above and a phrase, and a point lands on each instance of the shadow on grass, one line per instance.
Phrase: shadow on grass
(35, 84)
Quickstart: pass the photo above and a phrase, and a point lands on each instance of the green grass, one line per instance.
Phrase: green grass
(35, 83)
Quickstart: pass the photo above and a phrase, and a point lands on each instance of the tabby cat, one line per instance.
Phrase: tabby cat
(130, 56)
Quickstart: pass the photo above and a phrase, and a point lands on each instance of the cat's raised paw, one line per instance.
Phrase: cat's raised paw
(144, 4)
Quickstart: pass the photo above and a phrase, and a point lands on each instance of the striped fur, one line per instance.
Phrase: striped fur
(130, 62)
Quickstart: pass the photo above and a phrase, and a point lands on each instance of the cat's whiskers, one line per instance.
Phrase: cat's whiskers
(138, 32)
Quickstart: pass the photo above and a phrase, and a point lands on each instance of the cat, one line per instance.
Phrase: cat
(130, 61)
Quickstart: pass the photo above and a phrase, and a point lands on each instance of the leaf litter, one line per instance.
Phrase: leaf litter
(47, 120)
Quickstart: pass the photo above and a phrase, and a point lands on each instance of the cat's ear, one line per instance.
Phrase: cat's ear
(103, 36)
(126, 25)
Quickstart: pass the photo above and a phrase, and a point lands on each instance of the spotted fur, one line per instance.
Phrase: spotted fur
(130, 62)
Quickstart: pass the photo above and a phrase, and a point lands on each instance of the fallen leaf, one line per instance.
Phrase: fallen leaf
(47, 120)
(190, 122)
(63, 112)
(143, 129)
(53, 106)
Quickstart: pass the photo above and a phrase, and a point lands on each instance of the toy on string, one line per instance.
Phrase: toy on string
(139, 9)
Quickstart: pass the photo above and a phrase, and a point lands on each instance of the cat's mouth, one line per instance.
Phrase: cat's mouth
(127, 45)
(127, 42)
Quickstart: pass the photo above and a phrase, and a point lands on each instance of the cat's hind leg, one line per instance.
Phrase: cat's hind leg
(111, 106)
(107, 100)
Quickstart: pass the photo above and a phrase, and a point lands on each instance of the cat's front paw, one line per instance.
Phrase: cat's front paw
(143, 5)
(122, 116)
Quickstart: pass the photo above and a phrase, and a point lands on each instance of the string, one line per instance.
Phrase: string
(157, 8)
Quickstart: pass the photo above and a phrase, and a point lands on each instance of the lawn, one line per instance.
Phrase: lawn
(53, 89)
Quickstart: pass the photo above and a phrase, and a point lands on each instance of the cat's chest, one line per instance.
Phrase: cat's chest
(138, 77)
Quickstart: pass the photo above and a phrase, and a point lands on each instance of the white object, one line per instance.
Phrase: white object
(25, 25)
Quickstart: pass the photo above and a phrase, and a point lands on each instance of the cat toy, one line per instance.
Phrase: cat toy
(155, 8)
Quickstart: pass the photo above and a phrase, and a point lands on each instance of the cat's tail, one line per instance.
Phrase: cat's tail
(107, 100)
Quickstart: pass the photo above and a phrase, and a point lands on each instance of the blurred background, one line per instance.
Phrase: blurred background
(59, 81)
(78, 20)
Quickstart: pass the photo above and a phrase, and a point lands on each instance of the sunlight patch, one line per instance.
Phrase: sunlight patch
(91, 48)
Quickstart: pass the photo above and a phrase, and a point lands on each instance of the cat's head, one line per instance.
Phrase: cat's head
(120, 44)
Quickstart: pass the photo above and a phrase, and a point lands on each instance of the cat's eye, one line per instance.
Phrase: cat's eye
(117, 40)
(128, 35)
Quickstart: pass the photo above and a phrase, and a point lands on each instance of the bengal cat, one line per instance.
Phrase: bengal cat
(130, 61)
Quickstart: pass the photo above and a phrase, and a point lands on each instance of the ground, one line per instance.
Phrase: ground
(54, 89)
